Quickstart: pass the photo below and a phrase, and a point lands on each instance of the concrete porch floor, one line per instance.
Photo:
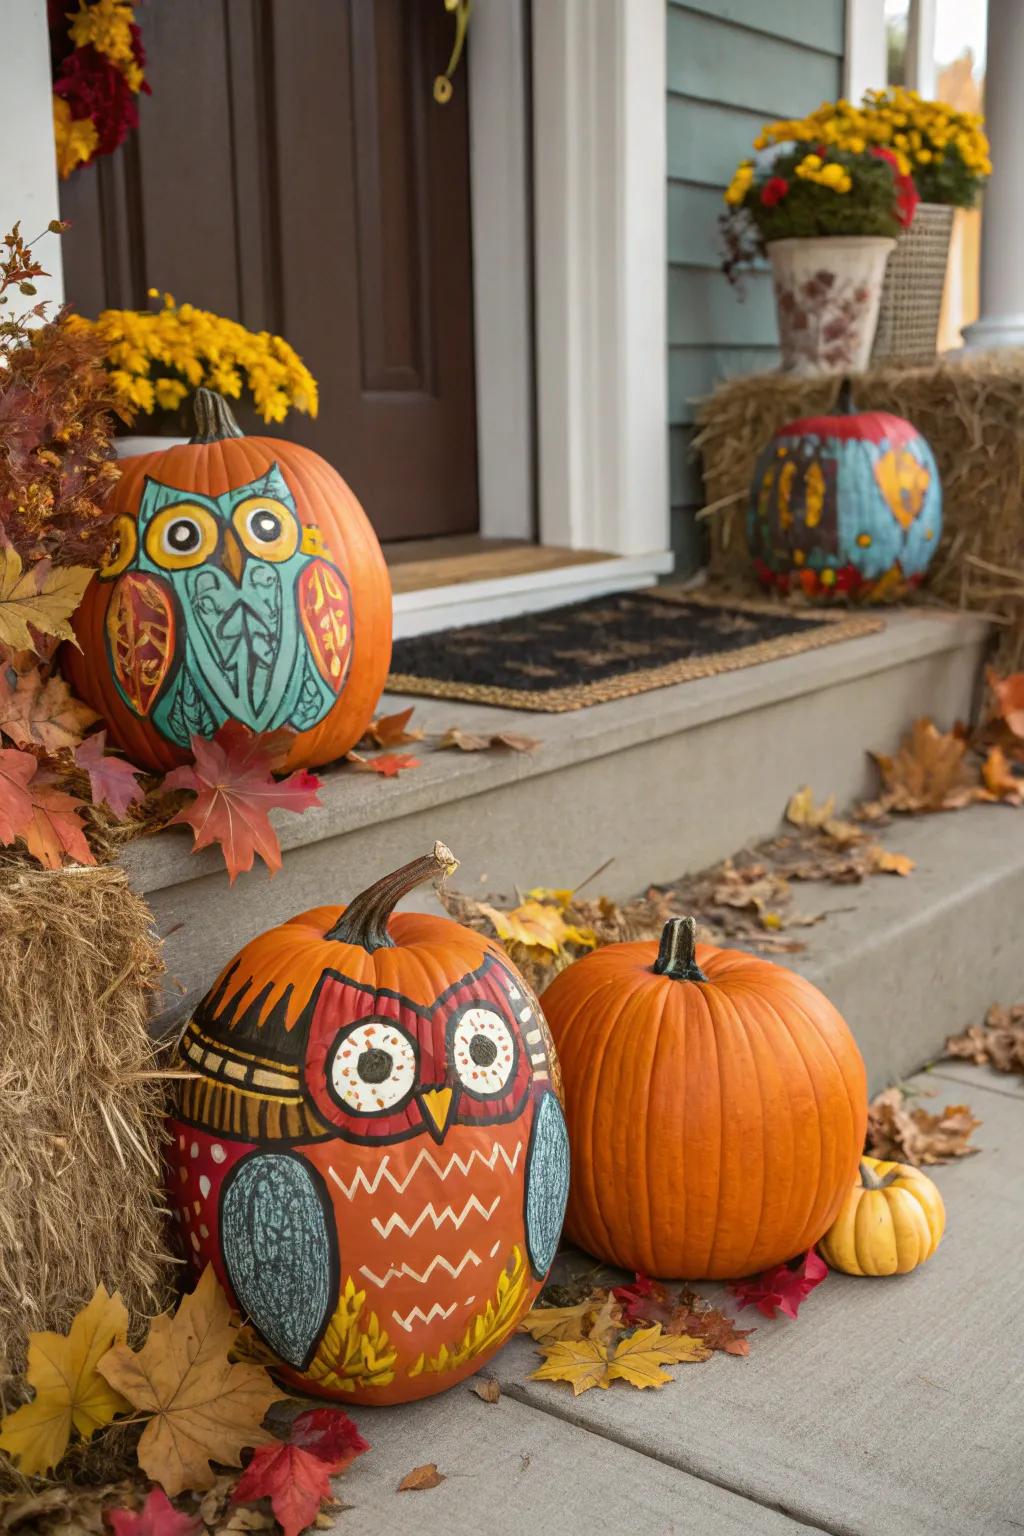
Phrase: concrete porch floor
(889, 1408)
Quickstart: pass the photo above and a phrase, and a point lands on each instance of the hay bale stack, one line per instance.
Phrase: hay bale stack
(81, 1114)
(971, 412)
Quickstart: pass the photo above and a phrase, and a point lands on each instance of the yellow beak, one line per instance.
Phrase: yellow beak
(437, 1103)
(232, 558)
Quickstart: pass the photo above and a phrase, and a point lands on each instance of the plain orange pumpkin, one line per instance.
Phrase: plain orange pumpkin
(248, 564)
(716, 1106)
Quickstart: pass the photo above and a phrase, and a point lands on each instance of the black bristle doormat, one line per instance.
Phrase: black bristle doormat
(609, 648)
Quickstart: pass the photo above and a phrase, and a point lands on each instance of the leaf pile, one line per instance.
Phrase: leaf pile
(998, 1043)
(900, 1134)
(389, 731)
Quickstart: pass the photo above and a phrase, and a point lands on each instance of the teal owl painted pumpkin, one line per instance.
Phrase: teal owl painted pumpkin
(847, 504)
(245, 584)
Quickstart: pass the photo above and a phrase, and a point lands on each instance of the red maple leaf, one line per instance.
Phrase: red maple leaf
(294, 1480)
(645, 1301)
(32, 808)
(110, 778)
(235, 789)
(330, 1434)
(388, 764)
(783, 1288)
(157, 1517)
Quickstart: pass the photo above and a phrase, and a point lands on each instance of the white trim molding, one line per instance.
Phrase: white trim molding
(28, 187)
(864, 61)
(600, 273)
(499, 127)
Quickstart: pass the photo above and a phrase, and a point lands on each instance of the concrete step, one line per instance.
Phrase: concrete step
(660, 783)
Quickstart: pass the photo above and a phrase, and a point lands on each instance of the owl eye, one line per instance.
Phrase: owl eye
(483, 1050)
(266, 527)
(125, 545)
(372, 1068)
(182, 536)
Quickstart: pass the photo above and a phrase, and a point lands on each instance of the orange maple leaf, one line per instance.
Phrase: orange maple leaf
(44, 817)
(388, 765)
(235, 790)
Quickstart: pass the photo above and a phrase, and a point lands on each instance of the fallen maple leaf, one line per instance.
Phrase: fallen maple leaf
(110, 778)
(391, 730)
(648, 1301)
(486, 1389)
(235, 790)
(44, 817)
(999, 778)
(901, 1135)
(157, 1517)
(645, 1301)
(419, 1478)
(43, 596)
(70, 1393)
(41, 712)
(928, 773)
(803, 812)
(637, 1360)
(1009, 697)
(470, 741)
(330, 1434)
(783, 1288)
(597, 1317)
(534, 925)
(294, 1480)
(881, 862)
(1000, 1043)
(203, 1407)
(388, 765)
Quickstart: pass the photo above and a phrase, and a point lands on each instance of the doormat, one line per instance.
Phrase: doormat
(610, 648)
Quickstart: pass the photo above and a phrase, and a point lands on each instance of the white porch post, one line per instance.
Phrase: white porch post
(28, 186)
(1001, 322)
(601, 273)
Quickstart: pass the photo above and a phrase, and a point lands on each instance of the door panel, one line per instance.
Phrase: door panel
(293, 171)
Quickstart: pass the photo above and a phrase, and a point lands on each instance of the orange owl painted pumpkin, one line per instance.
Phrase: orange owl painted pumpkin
(245, 584)
(373, 1154)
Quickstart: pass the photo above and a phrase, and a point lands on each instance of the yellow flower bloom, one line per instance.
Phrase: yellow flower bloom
(75, 138)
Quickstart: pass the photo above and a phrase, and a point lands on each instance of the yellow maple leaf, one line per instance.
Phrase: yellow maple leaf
(598, 1317)
(882, 862)
(203, 1407)
(44, 597)
(637, 1360)
(69, 1391)
(535, 925)
(802, 811)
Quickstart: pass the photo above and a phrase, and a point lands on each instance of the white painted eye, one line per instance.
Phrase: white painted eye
(373, 1067)
(484, 1051)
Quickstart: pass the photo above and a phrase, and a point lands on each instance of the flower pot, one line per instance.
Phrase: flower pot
(132, 445)
(827, 293)
(908, 315)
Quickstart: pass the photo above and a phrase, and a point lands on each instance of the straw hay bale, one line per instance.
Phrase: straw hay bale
(971, 412)
(81, 1113)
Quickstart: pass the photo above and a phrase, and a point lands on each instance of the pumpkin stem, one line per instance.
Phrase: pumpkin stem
(214, 418)
(365, 919)
(870, 1179)
(844, 400)
(677, 954)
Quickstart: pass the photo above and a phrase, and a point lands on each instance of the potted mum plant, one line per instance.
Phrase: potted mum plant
(947, 154)
(827, 219)
(157, 358)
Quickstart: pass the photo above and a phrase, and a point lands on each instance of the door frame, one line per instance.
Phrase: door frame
(593, 350)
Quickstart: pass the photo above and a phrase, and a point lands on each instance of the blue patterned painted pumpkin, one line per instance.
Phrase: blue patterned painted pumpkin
(848, 503)
(371, 1152)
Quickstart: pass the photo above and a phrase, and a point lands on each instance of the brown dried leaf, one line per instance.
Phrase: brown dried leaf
(997, 776)
(803, 812)
(419, 1478)
(41, 712)
(882, 862)
(1009, 698)
(486, 1389)
(391, 730)
(471, 741)
(902, 1135)
(999, 1043)
(928, 773)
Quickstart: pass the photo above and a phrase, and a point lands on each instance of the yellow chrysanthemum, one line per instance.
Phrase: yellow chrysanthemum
(75, 138)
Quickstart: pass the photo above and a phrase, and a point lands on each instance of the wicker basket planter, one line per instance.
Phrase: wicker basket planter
(908, 316)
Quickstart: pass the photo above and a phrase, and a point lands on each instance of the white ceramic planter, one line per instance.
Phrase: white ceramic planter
(827, 293)
(129, 447)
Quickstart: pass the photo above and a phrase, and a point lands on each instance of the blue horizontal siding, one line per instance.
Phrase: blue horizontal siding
(798, 21)
(693, 373)
(704, 309)
(715, 61)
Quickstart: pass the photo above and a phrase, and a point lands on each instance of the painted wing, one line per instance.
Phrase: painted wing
(280, 1251)
(547, 1183)
(141, 637)
(325, 608)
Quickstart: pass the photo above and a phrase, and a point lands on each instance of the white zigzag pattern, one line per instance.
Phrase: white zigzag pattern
(437, 1217)
(439, 1260)
(436, 1310)
(455, 1161)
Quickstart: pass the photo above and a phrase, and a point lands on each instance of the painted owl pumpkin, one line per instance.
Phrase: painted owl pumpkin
(845, 504)
(246, 584)
(373, 1154)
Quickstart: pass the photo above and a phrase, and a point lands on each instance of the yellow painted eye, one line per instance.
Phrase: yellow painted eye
(267, 528)
(182, 536)
(123, 550)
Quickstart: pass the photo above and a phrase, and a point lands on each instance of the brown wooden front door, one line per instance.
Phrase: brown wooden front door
(293, 171)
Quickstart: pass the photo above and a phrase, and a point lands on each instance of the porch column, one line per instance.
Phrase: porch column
(1001, 322)
(28, 186)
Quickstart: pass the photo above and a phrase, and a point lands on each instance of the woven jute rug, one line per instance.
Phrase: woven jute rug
(610, 648)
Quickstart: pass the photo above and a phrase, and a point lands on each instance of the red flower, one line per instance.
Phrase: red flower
(94, 87)
(774, 190)
(907, 196)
